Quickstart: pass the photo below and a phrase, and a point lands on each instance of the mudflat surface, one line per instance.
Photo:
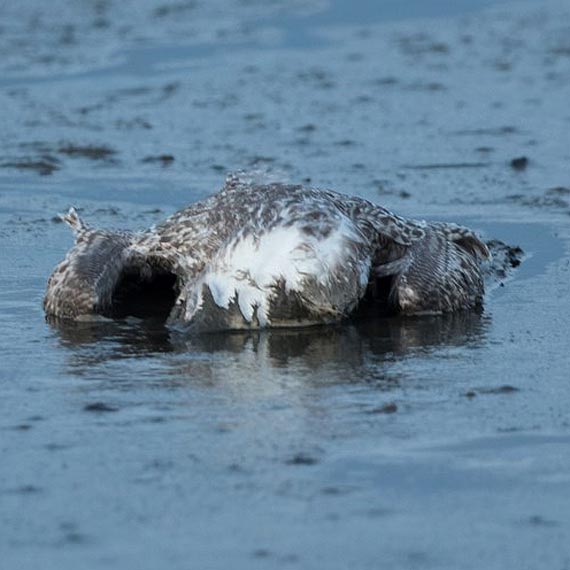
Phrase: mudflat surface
(435, 442)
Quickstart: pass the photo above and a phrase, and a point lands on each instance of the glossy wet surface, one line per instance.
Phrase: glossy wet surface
(434, 442)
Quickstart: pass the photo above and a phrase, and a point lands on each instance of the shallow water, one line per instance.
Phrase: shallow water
(433, 442)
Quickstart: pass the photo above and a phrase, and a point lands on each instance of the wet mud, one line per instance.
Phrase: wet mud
(426, 442)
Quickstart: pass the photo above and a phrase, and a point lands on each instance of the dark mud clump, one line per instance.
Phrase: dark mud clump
(519, 163)
(162, 159)
(44, 166)
(505, 389)
(92, 152)
(390, 408)
(302, 459)
(100, 407)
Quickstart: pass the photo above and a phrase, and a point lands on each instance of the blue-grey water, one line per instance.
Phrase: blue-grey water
(432, 442)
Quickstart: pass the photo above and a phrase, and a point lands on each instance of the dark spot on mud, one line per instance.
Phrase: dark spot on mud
(519, 163)
(23, 427)
(261, 553)
(492, 131)
(44, 166)
(549, 200)
(163, 159)
(503, 65)
(71, 534)
(302, 459)
(428, 86)
(92, 152)
(100, 407)
(505, 389)
(177, 9)
(537, 520)
(446, 165)
(558, 191)
(384, 81)
(132, 124)
(26, 490)
(74, 538)
(308, 128)
(390, 408)
(378, 512)
(170, 88)
(471, 394)
(561, 50)
(334, 491)
(55, 446)
(418, 44)
(257, 160)
(156, 420)
(36, 418)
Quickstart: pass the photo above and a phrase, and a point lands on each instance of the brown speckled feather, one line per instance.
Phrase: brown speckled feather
(258, 255)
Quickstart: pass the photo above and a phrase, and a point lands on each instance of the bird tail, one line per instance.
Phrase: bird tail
(73, 220)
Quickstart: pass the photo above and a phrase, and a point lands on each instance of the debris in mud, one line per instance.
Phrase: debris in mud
(382, 81)
(505, 389)
(92, 152)
(446, 165)
(551, 198)
(418, 44)
(44, 166)
(176, 9)
(100, 407)
(308, 128)
(537, 520)
(302, 459)
(428, 86)
(390, 408)
(492, 131)
(133, 124)
(163, 159)
(27, 490)
(558, 191)
(519, 163)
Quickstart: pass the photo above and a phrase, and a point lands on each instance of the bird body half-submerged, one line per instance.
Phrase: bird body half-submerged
(262, 255)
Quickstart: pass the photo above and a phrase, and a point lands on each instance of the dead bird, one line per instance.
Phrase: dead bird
(269, 255)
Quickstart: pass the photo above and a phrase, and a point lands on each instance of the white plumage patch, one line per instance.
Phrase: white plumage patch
(250, 269)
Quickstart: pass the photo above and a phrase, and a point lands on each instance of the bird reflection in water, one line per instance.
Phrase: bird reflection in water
(347, 346)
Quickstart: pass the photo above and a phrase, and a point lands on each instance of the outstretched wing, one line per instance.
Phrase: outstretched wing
(81, 285)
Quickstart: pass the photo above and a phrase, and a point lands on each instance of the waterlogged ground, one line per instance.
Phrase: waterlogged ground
(435, 442)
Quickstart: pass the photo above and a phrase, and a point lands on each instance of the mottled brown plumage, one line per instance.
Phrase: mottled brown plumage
(260, 255)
